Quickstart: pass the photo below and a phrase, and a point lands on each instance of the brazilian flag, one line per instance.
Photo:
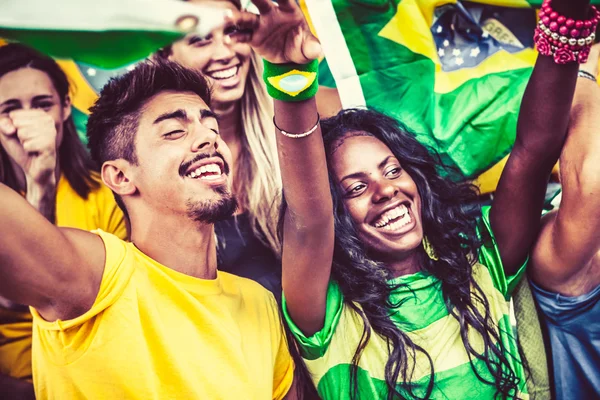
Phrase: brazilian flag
(453, 71)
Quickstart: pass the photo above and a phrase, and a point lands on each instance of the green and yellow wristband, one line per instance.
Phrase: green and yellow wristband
(291, 82)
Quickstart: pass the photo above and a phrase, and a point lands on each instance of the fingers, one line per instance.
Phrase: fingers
(303, 48)
(7, 127)
(287, 5)
(23, 118)
(311, 47)
(264, 6)
(247, 23)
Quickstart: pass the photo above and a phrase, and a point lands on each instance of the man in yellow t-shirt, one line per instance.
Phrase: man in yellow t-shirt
(35, 113)
(150, 319)
(97, 211)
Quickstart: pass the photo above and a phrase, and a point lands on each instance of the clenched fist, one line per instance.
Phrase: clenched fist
(29, 138)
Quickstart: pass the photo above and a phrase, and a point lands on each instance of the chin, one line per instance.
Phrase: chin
(225, 96)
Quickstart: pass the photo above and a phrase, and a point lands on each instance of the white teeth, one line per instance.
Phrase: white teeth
(386, 217)
(209, 171)
(224, 74)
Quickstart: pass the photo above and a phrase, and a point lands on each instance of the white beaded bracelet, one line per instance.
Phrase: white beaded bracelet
(298, 135)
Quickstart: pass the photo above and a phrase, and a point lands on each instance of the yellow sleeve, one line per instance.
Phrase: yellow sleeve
(283, 371)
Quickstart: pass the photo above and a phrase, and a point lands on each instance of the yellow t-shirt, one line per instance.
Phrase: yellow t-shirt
(98, 211)
(154, 333)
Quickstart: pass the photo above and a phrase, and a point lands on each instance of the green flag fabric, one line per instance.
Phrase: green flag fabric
(453, 71)
(107, 34)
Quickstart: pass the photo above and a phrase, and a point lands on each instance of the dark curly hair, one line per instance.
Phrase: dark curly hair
(453, 234)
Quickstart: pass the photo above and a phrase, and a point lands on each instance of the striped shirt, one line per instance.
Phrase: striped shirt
(423, 315)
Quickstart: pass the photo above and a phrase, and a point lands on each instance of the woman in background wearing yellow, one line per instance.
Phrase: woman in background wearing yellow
(35, 116)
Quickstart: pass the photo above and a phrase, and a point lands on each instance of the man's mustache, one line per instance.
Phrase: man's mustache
(186, 165)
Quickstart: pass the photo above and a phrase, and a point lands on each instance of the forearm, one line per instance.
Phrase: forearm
(544, 114)
(303, 165)
(575, 226)
(43, 198)
(581, 172)
(541, 131)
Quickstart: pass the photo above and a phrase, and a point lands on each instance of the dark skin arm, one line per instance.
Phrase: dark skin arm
(563, 256)
(541, 131)
(281, 35)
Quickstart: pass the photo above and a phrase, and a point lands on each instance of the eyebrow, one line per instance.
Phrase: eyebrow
(182, 115)
(204, 113)
(10, 102)
(42, 97)
(361, 174)
(178, 114)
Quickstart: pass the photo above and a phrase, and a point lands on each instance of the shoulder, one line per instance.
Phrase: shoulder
(247, 289)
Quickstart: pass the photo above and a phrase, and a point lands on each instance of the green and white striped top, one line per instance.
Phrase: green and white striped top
(425, 317)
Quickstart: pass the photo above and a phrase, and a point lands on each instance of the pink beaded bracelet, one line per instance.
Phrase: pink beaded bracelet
(566, 39)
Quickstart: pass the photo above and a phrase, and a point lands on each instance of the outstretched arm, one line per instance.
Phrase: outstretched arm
(569, 238)
(281, 35)
(57, 271)
(541, 131)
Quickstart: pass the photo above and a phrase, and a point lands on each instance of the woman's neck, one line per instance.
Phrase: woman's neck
(230, 122)
(231, 129)
(406, 266)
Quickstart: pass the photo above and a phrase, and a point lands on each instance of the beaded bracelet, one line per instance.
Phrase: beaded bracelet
(566, 39)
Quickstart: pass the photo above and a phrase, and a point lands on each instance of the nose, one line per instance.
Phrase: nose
(204, 139)
(384, 191)
(222, 49)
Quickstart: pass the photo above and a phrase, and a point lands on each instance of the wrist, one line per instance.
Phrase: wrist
(42, 196)
(291, 82)
(37, 191)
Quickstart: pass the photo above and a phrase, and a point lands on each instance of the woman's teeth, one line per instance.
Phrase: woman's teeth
(394, 219)
(208, 172)
(224, 74)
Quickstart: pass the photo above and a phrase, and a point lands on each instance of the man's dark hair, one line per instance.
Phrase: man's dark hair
(114, 118)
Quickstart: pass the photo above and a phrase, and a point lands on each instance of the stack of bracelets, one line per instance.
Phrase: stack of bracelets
(567, 39)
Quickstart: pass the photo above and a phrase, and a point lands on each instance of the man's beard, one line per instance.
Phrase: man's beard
(211, 211)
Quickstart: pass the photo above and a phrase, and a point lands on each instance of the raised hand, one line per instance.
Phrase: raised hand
(280, 34)
(29, 138)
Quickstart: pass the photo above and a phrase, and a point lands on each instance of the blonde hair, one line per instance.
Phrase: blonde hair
(257, 183)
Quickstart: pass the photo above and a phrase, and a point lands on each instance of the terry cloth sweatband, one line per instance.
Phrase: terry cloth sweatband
(291, 82)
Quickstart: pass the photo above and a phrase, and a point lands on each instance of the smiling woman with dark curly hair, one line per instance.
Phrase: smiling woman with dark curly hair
(400, 292)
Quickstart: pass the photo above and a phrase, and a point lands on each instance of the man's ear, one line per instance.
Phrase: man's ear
(115, 175)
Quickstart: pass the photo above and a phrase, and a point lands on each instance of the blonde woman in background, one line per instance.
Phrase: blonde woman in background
(248, 243)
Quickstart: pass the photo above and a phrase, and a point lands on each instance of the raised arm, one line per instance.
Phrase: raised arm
(569, 238)
(541, 130)
(281, 36)
(56, 271)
